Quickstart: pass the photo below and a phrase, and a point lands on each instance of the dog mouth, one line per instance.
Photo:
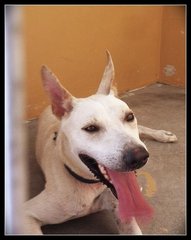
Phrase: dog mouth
(99, 172)
(124, 187)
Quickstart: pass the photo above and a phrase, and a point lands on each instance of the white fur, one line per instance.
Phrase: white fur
(64, 197)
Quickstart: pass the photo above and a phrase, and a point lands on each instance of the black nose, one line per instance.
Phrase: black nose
(135, 158)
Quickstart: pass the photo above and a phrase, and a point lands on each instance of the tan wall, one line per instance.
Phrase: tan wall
(72, 40)
(173, 46)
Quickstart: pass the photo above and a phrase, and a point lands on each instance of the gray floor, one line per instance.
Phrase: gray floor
(163, 178)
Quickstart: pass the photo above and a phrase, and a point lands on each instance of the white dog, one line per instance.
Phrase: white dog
(88, 148)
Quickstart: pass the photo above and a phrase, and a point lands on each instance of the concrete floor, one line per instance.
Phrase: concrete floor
(162, 178)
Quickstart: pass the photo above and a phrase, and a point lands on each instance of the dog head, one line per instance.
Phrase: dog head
(98, 132)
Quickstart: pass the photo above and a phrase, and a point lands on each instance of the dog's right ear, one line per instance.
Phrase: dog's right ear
(61, 99)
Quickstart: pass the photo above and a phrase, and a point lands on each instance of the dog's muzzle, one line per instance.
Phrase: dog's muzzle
(132, 159)
(92, 164)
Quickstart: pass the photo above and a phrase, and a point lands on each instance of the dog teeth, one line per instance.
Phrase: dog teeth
(105, 176)
(103, 171)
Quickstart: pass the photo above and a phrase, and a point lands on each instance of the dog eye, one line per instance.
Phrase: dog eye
(91, 128)
(129, 117)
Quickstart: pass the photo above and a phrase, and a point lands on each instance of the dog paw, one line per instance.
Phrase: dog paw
(130, 228)
(165, 136)
(130, 231)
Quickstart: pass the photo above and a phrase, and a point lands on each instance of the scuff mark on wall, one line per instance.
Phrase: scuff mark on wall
(169, 70)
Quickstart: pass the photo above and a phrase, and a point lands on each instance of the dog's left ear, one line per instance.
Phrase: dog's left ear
(61, 99)
(105, 86)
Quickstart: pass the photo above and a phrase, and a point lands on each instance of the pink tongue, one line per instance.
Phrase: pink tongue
(131, 201)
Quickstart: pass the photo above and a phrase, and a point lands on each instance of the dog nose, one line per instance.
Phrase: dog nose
(135, 158)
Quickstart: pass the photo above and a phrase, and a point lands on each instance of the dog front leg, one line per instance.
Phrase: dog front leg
(158, 135)
(34, 209)
(106, 201)
(32, 226)
(39, 211)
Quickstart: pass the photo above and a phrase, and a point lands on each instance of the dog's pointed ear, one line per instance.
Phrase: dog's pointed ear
(61, 99)
(108, 77)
